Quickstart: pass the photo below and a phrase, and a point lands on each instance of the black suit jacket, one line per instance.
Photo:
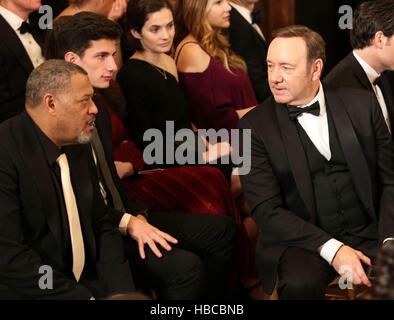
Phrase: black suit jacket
(104, 129)
(248, 44)
(279, 188)
(30, 223)
(348, 73)
(15, 68)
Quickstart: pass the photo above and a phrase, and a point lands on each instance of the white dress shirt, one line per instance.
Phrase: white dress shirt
(244, 12)
(316, 127)
(31, 46)
(372, 76)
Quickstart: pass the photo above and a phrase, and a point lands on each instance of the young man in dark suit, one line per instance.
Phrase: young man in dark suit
(20, 53)
(372, 58)
(322, 179)
(248, 41)
(198, 248)
(52, 215)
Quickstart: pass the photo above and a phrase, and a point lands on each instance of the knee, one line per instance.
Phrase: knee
(301, 288)
(190, 270)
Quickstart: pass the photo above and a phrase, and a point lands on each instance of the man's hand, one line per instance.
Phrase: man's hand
(142, 232)
(350, 258)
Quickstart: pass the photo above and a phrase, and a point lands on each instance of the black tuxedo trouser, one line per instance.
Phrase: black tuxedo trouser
(199, 266)
(304, 275)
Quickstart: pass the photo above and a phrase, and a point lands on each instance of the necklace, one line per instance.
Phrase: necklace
(76, 8)
(162, 72)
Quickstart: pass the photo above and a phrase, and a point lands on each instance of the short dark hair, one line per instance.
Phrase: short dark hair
(316, 46)
(76, 33)
(369, 18)
(136, 16)
(52, 76)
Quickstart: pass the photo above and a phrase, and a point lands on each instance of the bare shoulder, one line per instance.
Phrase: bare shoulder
(191, 58)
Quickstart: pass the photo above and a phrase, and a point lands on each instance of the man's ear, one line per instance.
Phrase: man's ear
(71, 57)
(135, 34)
(317, 69)
(49, 103)
(379, 40)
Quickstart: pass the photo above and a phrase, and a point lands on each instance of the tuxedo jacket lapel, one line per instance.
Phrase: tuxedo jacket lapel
(388, 97)
(34, 158)
(352, 150)
(15, 45)
(297, 159)
(359, 72)
(244, 22)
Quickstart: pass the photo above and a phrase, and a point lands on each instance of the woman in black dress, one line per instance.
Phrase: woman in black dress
(149, 82)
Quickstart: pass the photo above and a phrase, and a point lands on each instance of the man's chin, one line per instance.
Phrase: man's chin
(84, 138)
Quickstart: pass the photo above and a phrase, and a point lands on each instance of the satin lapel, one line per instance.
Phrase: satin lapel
(359, 72)
(37, 164)
(81, 181)
(243, 21)
(297, 158)
(352, 150)
(388, 97)
(12, 41)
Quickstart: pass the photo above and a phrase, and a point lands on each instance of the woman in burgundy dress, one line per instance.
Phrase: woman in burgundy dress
(213, 79)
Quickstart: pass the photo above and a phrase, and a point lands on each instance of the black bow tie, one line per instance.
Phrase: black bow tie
(256, 17)
(26, 27)
(294, 112)
(378, 81)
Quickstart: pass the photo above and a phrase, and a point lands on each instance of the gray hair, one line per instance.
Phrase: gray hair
(52, 76)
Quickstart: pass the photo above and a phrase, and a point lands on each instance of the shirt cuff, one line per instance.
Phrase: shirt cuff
(123, 224)
(329, 250)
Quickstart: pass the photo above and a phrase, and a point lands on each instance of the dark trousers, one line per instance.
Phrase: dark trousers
(199, 266)
(304, 275)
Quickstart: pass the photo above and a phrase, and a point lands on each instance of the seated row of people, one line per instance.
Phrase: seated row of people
(219, 92)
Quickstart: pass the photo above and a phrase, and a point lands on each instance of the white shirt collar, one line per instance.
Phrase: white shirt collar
(242, 11)
(13, 20)
(319, 97)
(371, 73)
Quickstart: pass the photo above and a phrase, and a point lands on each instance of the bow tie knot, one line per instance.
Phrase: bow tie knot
(256, 17)
(295, 112)
(378, 81)
(26, 27)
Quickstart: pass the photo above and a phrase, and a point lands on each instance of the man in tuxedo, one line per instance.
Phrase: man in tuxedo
(322, 179)
(20, 53)
(372, 58)
(56, 239)
(198, 248)
(248, 41)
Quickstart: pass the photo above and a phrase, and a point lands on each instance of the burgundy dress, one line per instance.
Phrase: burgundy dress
(215, 94)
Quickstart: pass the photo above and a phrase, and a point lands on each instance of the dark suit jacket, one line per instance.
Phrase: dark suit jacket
(104, 128)
(279, 188)
(15, 68)
(348, 73)
(30, 223)
(248, 44)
